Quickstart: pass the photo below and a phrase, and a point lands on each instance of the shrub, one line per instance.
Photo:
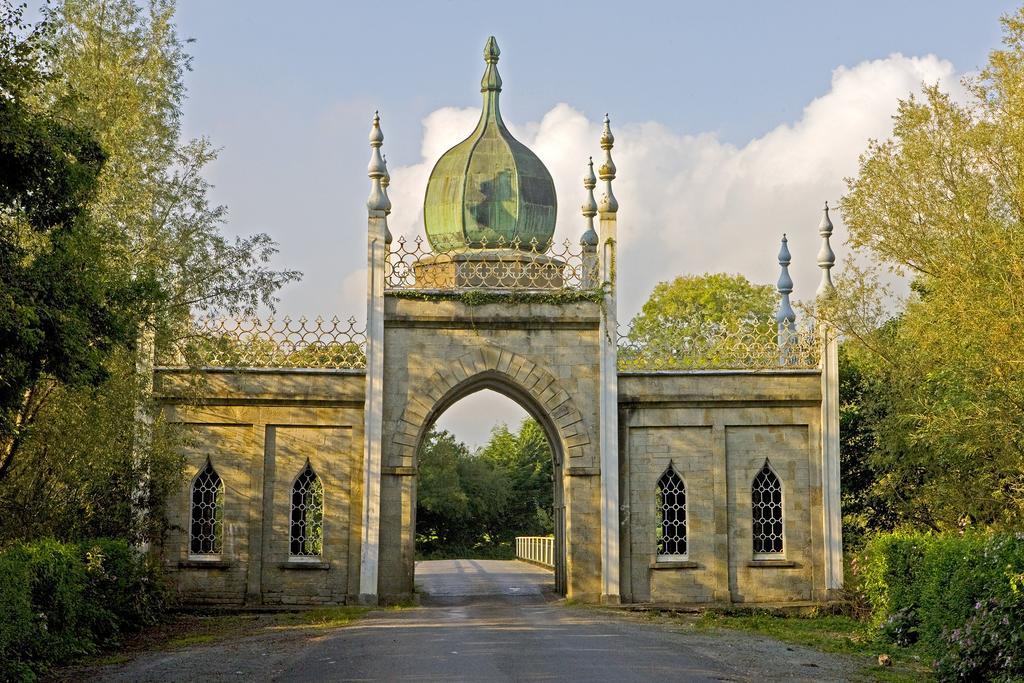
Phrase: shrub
(989, 647)
(17, 624)
(960, 594)
(903, 627)
(123, 589)
(61, 600)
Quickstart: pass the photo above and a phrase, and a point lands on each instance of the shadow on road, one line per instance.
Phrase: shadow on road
(463, 582)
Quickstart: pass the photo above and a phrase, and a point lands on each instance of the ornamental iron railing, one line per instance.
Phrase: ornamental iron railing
(268, 343)
(744, 346)
(514, 265)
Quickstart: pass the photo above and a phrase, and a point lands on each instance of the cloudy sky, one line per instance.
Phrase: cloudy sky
(734, 121)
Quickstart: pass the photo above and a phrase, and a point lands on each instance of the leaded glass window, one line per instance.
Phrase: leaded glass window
(766, 499)
(207, 521)
(307, 527)
(671, 506)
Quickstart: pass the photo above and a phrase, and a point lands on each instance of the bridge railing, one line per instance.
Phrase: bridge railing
(536, 550)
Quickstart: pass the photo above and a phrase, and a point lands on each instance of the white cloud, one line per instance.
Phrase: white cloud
(352, 293)
(690, 203)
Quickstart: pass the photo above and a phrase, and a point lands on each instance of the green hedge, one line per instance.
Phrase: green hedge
(62, 600)
(960, 595)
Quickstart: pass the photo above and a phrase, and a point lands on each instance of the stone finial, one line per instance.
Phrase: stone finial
(589, 238)
(826, 257)
(384, 182)
(376, 169)
(785, 316)
(608, 203)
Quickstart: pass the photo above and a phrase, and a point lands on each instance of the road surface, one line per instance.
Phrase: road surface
(487, 620)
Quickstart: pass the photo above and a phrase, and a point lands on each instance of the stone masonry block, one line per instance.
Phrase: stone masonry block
(558, 399)
(544, 381)
(503, 361)
(577, 440)
(491, 356)
(560, 411)
(569, 417)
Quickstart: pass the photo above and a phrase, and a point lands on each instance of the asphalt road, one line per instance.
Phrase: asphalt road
(489, 620)
(494, 621)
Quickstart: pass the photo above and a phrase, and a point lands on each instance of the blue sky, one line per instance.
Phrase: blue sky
(734, 120)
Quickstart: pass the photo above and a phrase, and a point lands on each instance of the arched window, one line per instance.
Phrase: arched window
(671, 506)
(766, 499)
(307, 528)
(207, 527)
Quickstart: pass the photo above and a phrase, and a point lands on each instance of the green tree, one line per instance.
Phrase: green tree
(942, 201)
(115, 71)
(118, 72)
(702, 319)
(442, 506)
(475, 504)
(525, 458)
(63, 310)
(870, 502)
(80, 472)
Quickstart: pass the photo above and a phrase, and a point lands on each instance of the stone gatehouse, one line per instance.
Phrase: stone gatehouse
(697, 470)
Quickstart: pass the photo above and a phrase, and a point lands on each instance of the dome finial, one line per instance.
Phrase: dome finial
(491, 82)
(491, 51)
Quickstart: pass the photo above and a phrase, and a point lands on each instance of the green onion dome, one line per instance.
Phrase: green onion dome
(490, 189)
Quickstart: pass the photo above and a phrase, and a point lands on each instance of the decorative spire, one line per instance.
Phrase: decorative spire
(589, 207)
(491, 79)
(384, 182)
(785, 317)
(376, 170)
(826, 257)
(490, 84)
(607, 171)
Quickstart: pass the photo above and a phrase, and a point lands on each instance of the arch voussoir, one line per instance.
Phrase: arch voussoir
(474, 362)
(557, 400)
(520, 372)
(491, 356)
(504, 359)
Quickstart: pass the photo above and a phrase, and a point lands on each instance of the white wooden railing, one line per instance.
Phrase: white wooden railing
(536, 549)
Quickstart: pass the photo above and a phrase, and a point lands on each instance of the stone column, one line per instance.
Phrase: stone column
(830, 474)
(833, 520)
(377, 206)
(609, 378)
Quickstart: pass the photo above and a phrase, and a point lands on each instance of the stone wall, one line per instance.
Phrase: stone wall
(258, 428)
(717, 429)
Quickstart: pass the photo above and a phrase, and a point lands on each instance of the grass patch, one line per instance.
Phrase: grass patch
(110, 660)
(194, 639)
(828, 633)
(325, 617)
(188, 630)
